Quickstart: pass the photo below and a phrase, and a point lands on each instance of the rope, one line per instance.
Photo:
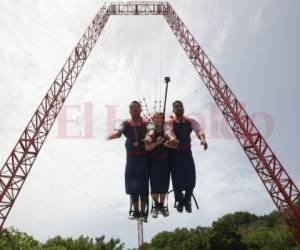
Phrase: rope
(134, 80)
(158, 105)
(130, 70)
(132, 65)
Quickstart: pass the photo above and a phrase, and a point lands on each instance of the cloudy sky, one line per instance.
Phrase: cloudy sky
(76, 185)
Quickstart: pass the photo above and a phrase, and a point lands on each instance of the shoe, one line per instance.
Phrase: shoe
(188, 207)
(134, 215)
(162, 209)
(179, 207)
(143, 217)
(165, 212)
(159, 207)
(155, 212)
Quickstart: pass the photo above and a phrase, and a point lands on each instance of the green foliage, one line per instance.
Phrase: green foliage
(224, 235)
(82, 243)
(261, 236)
(181, 239)
(12, 239)
(238, 231)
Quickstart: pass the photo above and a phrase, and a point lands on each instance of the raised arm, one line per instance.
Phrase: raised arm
(117, 132)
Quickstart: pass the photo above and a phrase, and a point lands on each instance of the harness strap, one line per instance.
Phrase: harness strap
(194, 198)
(131, 210)
(130, 122)
(166, 202)
(196, 203)
(130, 206)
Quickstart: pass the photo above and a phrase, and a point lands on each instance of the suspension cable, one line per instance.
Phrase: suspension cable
(135, 82)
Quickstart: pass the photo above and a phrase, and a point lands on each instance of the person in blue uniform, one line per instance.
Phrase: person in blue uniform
(159, 166)
(182, 164)
(137, 161)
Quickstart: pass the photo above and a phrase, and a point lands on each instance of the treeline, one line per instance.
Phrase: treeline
(12, 239)
(238, 231)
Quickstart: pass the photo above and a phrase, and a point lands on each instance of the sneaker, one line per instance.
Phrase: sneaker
(155, 212)
(165, 212)
(179, 207)
(159, 207)
(143, 217)
(134, 215)
(188, 207)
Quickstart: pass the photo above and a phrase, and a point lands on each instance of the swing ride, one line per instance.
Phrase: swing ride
(271, 172)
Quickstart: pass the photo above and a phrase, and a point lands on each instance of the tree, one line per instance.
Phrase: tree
(11, 239)
(225, 236)
(181, 239)
(83, 243)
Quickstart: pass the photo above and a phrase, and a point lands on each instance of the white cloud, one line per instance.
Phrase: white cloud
(222, 34)
(255, 21)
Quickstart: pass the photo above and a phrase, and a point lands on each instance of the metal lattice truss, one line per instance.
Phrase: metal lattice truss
(276, 180)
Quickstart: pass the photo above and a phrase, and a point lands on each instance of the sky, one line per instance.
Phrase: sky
(76, 185)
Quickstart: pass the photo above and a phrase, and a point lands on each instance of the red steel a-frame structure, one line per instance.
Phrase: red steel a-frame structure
(275, 178)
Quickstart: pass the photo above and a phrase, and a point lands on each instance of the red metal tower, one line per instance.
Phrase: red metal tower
(140, 235)
(276, 180)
